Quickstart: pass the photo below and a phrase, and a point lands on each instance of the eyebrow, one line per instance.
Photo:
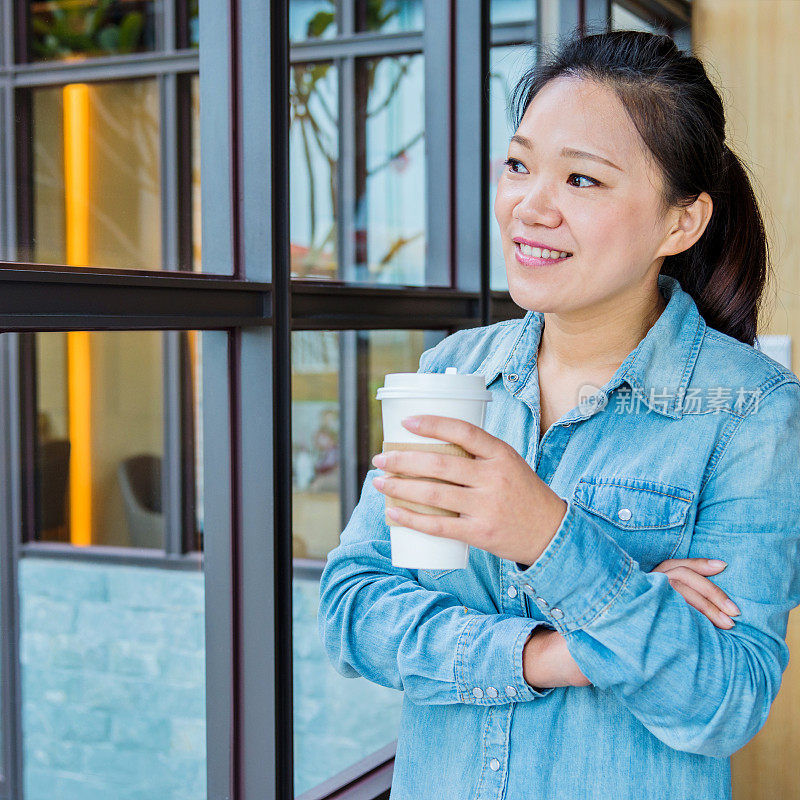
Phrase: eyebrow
(567, 152)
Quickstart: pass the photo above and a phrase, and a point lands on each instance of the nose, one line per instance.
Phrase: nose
(537, 205)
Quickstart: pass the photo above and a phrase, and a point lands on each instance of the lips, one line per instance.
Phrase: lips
(541, 245)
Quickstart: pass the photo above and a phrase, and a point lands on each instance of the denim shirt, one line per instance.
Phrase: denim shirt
(691, 449)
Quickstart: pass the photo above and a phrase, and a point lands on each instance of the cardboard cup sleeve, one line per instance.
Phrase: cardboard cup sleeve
(421, 508)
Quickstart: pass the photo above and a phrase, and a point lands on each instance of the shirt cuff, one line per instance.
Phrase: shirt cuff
(579, 574)
(489, 661)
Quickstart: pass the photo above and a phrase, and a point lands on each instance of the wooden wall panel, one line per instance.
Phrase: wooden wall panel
(750, 49)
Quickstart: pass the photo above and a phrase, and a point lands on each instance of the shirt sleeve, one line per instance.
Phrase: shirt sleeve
(377, 621)
(696, 687)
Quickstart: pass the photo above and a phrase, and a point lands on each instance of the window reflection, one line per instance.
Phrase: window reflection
(99, 436)
(389, 16)
(66, 29)
(335, 378)
(313, 157)
(507, 64)
(512, 11)
(312, 19)
(94, 188)
(623, 19)
(390, 171)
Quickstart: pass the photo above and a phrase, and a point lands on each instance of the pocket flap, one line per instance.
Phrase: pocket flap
(634, 503)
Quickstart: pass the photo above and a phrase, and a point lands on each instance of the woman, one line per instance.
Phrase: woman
(585, 652)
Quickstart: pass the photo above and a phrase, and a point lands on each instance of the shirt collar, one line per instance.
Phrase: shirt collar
(659, 367)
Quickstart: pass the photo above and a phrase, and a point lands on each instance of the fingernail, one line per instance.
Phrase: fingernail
(379, 460)
(731, 607)
(411, 422)
(715, 562)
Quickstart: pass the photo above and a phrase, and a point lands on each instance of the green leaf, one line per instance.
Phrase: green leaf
(130, 30)
(319, 23)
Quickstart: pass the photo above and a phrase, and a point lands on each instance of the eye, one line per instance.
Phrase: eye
(513, 162)
(585, 177)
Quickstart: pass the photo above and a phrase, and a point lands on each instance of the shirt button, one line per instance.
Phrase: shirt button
(513, 377)
(624, 513)
(511, 691)
(494, 765)
(477, 692)
(540, 601)
(512, 591)
(491, 691)
(557, 613)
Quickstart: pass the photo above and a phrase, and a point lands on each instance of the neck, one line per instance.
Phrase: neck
(598, 339)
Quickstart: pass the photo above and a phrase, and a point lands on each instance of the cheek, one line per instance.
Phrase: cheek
(503, 205)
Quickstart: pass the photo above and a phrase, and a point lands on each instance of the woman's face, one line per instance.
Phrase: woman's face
(607, 215)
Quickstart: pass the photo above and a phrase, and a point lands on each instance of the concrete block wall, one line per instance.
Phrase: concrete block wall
(113, 686)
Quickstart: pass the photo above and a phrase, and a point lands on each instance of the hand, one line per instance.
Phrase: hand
(504, 507)
(546, 661)
(686, 576)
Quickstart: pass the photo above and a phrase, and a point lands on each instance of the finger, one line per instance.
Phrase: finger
(473, 439)
(416, 463)
(429, 492)
(706, 587)
(705, 566)
(703, 604)
(433, 524)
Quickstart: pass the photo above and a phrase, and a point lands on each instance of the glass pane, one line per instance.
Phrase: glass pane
(94, 185)
(99, 439)
(66, 29)
(507, 64)
(193, 17)
(390, 171)
(113, 681)
(112, 657)
(622, 19)
(313, 156)
(512, 11)
(312, 19)
(338, 721)
(389, 16)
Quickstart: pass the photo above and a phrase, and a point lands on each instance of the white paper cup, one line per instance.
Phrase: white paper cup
(445, 394)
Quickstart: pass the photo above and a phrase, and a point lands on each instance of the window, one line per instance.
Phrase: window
(188, 377)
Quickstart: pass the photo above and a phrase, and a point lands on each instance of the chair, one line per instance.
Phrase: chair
(140, 483)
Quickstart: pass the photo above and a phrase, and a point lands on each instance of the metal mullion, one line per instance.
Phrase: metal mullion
(48, 73)
(438, 125)
(471, 151)
(10, 523)
(172, 459)
(596, 16)
(9, 175)
(6, 181)
(221, 587)
(345, 174)
(6, 34)
(113, 554)
(359, 44)
(168, 29)
(350, 345)
(508, 33)
(347, 18)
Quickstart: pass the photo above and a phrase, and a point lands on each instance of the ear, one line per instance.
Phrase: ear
(687, 226)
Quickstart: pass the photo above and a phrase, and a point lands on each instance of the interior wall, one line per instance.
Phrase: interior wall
(750, 50)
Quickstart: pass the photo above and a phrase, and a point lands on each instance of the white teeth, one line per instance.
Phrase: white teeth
(537, 252)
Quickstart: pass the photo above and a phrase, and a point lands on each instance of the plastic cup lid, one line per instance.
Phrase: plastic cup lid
(448, 384)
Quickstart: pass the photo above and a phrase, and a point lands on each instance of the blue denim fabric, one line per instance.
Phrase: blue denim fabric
(692, 449)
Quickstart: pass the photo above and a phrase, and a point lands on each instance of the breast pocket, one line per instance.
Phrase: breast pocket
(647, 519)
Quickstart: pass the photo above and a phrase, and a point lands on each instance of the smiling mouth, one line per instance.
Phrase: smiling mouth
(537, 256)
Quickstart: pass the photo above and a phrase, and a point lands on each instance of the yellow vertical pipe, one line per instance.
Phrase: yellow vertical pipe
(79, 360)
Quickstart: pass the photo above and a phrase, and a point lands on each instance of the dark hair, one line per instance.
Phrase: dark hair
(679, 115)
